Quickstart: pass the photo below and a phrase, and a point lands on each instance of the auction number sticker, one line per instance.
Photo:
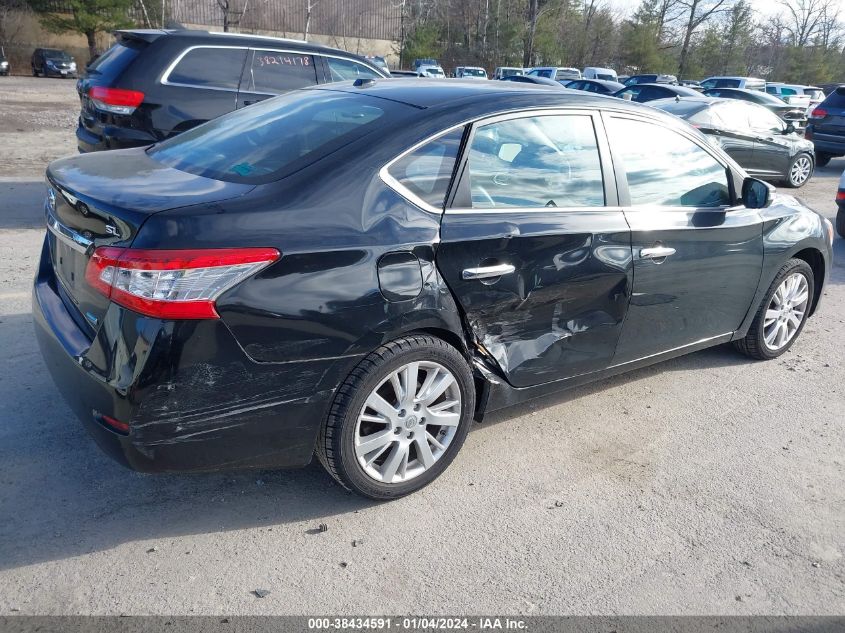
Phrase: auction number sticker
(417, 623)
(283, 60)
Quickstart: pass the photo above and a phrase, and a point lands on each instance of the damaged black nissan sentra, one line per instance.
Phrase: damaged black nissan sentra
(360, 270)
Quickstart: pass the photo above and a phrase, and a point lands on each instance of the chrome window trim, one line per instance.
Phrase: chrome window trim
(66, 234)
(165, 77)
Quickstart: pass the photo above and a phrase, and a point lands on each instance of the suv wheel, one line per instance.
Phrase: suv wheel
(782, 314)
(800, 170)
(399, 419)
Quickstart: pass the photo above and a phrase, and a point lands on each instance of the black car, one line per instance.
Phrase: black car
(52, 62)
(650, 78)
(599, 86)
(154, 84)
(649, 92)
(5, 69)
(763, 144)
(404, 73)
(772, 103)
(826, 127)
(359, 270)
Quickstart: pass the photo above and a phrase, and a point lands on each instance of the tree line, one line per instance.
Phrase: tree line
(798, 41)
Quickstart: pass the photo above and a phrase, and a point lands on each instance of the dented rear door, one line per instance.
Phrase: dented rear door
(534, 247)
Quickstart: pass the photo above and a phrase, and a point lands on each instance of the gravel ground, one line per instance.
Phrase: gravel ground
(709, 484)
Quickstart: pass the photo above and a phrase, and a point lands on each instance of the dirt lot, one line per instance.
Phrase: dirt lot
(706, 485)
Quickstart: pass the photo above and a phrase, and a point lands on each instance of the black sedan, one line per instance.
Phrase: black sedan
(770, 102)
(762, 143)
(598, 86)
(360, 270)
(649, 92)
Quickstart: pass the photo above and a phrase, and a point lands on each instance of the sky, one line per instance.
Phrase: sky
(764, 7)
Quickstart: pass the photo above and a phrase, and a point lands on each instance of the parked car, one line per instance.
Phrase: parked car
(435, 72)
(758, 140)
(553, 72)
(425, 61)
(603, 74)
(379, 62)
(651, 78)
(826, 127)
(239, 296)
(649, 92)
(470, 72)
(690, 83)
(5, 69)
(403, 73)
(828, 88)
(52, 62)
(746, 83)
(779, 107)
(806, 97)
(154, 84)
(533, 79)
(595, 85)
(506, 71)
(840, 203)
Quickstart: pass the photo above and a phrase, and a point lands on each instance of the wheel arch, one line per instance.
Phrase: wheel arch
(815, 260)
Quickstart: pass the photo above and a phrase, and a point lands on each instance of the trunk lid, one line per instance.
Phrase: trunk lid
(102, 199)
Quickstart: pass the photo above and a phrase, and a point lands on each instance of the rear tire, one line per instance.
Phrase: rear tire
(800, 171)
(840, 223)
(822, 159)
(396, 447)
(780, 319)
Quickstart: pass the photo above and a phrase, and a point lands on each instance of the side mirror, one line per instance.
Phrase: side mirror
(793, 115)
(756, 194)
(790, 128)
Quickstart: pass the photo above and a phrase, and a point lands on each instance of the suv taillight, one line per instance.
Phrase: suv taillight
(818, 113)
(115, 100)
(171, 284)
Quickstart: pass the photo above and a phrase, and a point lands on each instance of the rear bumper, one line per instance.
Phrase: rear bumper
(193, 400)
(827, 143)
(111, 137)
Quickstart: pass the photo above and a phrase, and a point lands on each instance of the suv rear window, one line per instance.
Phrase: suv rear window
(835, 99)
(275, 137)
(208, 67)
(114, 61)
(275, 72)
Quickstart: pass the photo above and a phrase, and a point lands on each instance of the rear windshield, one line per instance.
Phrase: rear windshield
(275, 137)
(836, 99)
(114, 61)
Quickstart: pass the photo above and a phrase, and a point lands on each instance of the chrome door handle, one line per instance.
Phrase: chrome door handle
(488, 272)
(658, 252)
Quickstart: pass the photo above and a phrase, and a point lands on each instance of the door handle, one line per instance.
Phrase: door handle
(658, 252)
(488, 272)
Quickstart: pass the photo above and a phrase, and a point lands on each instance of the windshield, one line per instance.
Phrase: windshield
(606, 77)
(275, 137)
(474, 72)
(814, 93)
(57, 55)
(436, 72)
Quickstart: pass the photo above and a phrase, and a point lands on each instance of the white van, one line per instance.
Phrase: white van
(748, 83)
(605, 74)
(561, 73)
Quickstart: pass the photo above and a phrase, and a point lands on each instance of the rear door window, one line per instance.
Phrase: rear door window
(427, 171)
(275, 72)
(536, 162)
(209, 67)
(346, 69)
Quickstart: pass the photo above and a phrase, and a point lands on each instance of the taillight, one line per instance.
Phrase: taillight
(840, 195)
(818, 113)
(115, 100)
(171, 284)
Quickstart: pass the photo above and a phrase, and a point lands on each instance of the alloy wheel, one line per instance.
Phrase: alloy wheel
(800, 171)
(408, 422)
(786, 311)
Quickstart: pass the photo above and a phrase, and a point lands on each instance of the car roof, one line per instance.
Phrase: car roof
(216, 37)
(446, 93)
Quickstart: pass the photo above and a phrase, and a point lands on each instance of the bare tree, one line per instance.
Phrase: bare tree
(309, 7)
(804, 17)
(13, 15)
(699, 11)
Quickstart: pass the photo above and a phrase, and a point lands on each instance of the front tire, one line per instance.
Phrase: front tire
(800, 171)
(782, 313)
(399, 418)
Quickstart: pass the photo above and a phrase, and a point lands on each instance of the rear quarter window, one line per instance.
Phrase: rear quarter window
(207, 67)
(836, 99)
(275, 72)
(111, 64)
